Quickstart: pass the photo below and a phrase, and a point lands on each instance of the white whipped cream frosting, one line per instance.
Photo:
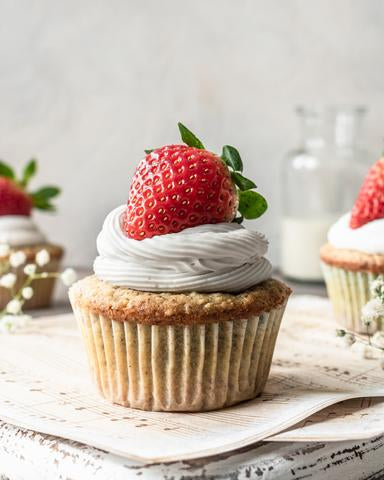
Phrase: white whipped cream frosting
(223, 257)
(369, 238)
(18, 230)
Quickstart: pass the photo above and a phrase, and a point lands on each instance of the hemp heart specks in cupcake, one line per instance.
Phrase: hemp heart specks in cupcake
(354, 254)
(182, 313)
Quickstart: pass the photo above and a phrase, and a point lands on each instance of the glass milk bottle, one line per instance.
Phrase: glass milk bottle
(320, 181)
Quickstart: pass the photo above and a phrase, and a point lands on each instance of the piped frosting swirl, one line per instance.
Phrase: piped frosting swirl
(223, 257)
(19, 230)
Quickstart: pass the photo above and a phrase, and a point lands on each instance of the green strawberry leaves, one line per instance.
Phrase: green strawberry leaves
(251, 204)
(29, 171)
(6, 171)
(148, 151)
(42, 197)
(242, 182)
(232, 158)
(189, 138)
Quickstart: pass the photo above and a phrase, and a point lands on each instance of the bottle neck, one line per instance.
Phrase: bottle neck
(340, 128)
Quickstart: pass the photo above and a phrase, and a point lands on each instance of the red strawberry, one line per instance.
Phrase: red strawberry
(176, 187)
(13, 199)
(370, 201)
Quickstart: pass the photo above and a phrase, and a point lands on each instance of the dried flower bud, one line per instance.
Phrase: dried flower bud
(30, 269)
(27, 293)
(17, 258)
(8, 280)
(42, 258)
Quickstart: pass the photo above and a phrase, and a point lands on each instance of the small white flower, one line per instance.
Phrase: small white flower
(68, 277)
(374, 286)
(17, 258)
(11, 323)
(373, 310)
(8, 280)
(4, 250)
(14, 307)
(30, 269)
(42, 257)
(27, 293)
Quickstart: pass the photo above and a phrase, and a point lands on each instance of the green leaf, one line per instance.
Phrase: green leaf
(42, 204)
(149, 151)
(251, 204)
(6, 171)
(28, 172)
(232, 158)
(42, 197)
(46, 192)
(189, 138)
(242, 182)
(238, 220)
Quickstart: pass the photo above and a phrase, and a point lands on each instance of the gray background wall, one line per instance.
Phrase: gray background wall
(85, 85)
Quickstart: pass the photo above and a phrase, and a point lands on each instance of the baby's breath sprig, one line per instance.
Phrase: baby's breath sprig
(372, 314)
(12, 316)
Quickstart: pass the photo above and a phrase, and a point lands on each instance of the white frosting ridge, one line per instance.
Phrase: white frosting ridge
(369, 238)
(18, 230)
(210, 258)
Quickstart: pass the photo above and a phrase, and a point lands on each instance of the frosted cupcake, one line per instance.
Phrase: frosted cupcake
(354, 254)
(182, 314)
(20, 238)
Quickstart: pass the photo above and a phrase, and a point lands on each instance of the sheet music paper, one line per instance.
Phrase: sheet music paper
(45, 386)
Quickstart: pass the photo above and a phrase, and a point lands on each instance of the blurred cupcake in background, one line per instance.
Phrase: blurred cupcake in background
(354, 254)
(21, 241)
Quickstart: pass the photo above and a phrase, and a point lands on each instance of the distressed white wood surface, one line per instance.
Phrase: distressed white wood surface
(28, 455)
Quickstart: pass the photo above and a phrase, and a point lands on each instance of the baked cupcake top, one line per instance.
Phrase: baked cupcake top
(179, 231)
(124, 304)
(17, 228)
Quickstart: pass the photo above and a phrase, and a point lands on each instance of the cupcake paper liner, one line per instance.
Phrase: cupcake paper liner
(43, 289)
(349, 292)
(179, 367)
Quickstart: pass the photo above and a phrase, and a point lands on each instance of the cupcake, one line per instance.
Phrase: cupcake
(21, 241)
(354, 254)
(182, 313)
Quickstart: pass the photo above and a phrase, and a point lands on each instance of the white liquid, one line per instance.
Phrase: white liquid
(300, 244)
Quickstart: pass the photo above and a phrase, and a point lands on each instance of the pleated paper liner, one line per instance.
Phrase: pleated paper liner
(349, 292)
(179, 367)
(43, 289)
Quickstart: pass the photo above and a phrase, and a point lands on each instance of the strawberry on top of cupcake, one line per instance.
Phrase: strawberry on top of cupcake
(369, 205)
(362, 229)
(180, 229)
(182, 186)
(354, 254)
(16, 205)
